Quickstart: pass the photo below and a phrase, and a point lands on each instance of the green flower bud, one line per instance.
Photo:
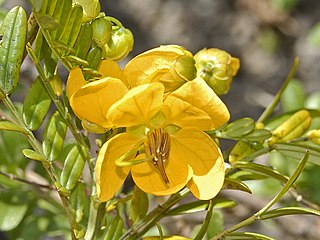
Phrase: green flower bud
(101, 30)
(217, 68)
(91, 9)
(119, 45)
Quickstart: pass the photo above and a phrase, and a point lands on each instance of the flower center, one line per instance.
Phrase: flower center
(158, 147)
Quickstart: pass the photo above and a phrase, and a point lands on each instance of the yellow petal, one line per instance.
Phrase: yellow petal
(75, 81)
(183, 114)
(110, 177)
(198, 94)
(92, 101)
(110, 68)
(142, 66)
(138, 106)
(148, 179)
(205, 159)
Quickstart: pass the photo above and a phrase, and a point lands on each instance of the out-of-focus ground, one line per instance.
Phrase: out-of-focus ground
(265, 39)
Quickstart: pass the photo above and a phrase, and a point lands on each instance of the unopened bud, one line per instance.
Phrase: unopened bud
(217, 68)
(91, 9)
(101, 30)
(119, 45)
(314, 136)
(294, 127)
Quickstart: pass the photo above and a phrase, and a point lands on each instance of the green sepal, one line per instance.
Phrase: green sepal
(53, 136)
(36, 105)
(72, 168)
(139, 205)
(14, 32)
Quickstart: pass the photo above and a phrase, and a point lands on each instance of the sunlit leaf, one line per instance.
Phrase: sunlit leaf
(13, 31)
(36, 105)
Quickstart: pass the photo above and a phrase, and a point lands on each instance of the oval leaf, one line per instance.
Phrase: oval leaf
(239, 127)
(53, 136)
(32, 155)
(13, 30)
(72, 168)
(139, 204)
(9, 126)
(36, 105)
(78, 200)
(235, 185)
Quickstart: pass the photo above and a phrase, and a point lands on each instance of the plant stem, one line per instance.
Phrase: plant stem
(140, 228)
(45, 163)
(263, 210)
(269, 110)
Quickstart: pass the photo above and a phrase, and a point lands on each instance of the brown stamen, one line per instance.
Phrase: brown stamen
(158, 147)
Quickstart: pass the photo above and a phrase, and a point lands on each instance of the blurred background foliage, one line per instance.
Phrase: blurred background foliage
(266, 35)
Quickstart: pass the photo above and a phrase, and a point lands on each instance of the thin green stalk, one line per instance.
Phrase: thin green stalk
(60, 107)
(269, 110)
(263, 210)
(45, 163)
(140, 228)
(206, 222)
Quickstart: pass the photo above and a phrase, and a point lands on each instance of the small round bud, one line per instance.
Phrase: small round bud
(217, 68)
(171, 65)
(101, 30)
(91, 9)
(119, 45)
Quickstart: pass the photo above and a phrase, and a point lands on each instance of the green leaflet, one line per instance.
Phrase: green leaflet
(36, 105)
(13, 207)
(239, 127)
(83, 41)
(115, 229)
(13, 30)
(29, 153)
(70, 33)
(9, 126)
(278, 212)
(53, 136)
(139, 204)
(78, 200)
(72, 168)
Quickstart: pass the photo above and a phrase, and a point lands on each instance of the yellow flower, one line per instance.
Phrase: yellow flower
(164, 146)
(90, 101)
(217, 68)
(172, 65)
